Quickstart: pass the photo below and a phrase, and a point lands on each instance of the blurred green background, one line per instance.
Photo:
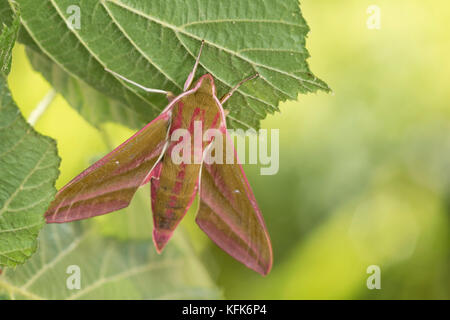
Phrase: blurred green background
(364, 173)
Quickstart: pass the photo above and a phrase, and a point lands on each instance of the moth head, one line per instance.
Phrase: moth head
(206, 85)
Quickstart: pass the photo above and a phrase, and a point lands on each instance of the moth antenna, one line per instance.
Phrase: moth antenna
(229, 94)
(167, 93)
(191, 75)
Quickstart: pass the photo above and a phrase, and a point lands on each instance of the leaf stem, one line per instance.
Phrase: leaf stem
(41, 107)
(11, 289)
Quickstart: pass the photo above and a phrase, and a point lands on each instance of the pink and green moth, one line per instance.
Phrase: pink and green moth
(228, 212)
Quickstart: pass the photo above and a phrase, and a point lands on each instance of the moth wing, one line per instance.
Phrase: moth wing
(229, 214)
(110, 183)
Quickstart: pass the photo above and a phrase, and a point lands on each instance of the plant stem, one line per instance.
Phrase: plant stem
(41, 107)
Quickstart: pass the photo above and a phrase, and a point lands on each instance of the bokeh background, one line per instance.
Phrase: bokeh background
(364, 173)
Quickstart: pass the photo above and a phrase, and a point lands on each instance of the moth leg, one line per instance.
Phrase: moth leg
(229, 94)
(191, 75)
(169, 94)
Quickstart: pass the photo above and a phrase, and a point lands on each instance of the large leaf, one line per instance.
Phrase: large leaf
(109, 269)
(155, 43)
(28, 170)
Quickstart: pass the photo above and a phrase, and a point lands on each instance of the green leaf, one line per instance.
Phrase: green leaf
(8, 38)
(155, 43)
(6, 14)
(28, 170)
(109, 269)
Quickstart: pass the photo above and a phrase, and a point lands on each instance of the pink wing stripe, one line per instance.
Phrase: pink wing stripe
(229, 214)
(107, 157)
(212, 226)
(110, 183)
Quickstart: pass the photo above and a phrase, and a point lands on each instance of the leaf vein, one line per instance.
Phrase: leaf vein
(16, 192)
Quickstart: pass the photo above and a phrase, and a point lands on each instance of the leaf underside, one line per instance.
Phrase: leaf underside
(155, 43)
(28, 170)
(108, 269)
(28, 167)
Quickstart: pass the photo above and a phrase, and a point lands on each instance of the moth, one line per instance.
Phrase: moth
(228, 212)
